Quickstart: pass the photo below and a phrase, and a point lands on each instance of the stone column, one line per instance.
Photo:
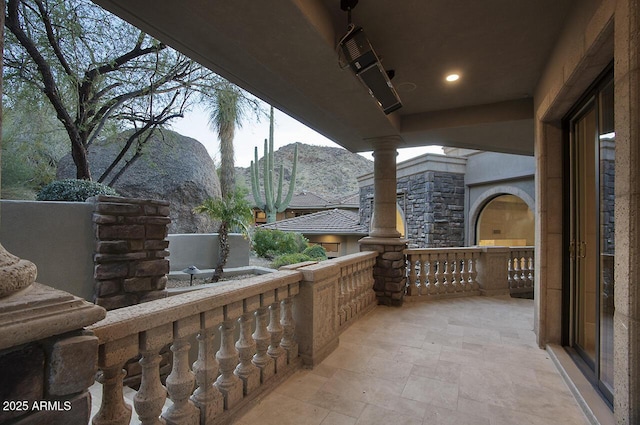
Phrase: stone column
(384, 190)
(626, 397)
(389, 272)
(549, 233)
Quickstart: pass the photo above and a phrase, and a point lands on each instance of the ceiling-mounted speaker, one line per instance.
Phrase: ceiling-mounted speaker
(366, 64)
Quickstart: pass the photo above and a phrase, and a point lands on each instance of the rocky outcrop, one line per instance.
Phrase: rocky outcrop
(173, 168)
(326, 171)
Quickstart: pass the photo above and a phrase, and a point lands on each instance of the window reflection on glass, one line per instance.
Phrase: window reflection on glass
(606, 144)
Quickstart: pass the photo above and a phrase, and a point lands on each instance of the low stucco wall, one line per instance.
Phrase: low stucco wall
(201, 250)
(59, 238)
(56, 236)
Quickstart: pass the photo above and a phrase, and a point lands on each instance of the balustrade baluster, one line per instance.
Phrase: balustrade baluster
(371, 293)
(352, 291)
(360, 282)
(113, 409)
(516, 270)
(446, 275)
(228, 383)
(464, 273)
(207, 397)
(510, 272)
(342, 298)
(261, 336)
(419, 268)
(455, 272)
(412, 288)
(150, 398)
(473, 271)
(275, 329)
(523, 269)
(180, 384)
(432, 279)
(530, 276)
(288, 328)
(246, 347)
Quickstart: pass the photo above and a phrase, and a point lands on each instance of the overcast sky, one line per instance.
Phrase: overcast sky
(286, 130)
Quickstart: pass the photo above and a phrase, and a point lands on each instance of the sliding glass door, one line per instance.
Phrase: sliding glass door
(591, 234)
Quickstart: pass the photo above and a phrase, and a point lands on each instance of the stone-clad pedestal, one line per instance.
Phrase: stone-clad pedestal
(389, 272)
(47, 360)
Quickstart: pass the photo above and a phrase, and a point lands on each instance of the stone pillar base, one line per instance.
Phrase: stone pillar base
(389, 272)
(46, 357)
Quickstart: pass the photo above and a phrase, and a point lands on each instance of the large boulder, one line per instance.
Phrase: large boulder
(172, 167)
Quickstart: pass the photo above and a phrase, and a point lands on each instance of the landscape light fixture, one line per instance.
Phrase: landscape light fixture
(191, 270)
(365, 63)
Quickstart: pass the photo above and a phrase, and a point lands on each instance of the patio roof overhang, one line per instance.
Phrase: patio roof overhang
(284, 51)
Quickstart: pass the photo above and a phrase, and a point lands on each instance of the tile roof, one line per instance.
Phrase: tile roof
(332, 222)
(307, 199)
(349, 201)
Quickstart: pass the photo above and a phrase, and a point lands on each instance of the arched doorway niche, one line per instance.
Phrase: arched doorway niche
(502, 216)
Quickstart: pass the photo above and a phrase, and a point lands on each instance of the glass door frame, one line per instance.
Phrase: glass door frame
(589, 102)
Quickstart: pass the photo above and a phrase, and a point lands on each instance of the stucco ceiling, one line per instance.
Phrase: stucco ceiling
(284, 51)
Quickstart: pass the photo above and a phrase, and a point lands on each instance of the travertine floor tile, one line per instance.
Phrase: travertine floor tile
(375, 415)
(334, 418)
(443, 416)
(431, 391)
(278, 409)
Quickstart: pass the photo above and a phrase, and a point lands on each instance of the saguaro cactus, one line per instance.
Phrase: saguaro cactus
(272, 203)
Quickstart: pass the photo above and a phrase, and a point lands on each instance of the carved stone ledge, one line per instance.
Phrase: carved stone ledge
(38, 312)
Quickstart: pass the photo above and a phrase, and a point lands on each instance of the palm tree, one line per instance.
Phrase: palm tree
(234, 213)
(228, 106)
(227, 109)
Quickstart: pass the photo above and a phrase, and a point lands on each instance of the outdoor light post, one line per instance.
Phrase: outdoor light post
(191, 270)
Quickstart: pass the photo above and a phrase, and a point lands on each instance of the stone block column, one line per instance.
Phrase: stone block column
(626, 341)
(131, 250)
(389, 273)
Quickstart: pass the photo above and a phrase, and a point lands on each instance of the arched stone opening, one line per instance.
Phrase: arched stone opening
(505, 220)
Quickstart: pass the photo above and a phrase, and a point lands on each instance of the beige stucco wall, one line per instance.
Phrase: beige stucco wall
(201, 250)
(57, 237)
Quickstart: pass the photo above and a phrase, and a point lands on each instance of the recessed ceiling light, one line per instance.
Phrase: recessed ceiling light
(452, 77)
(406, 86)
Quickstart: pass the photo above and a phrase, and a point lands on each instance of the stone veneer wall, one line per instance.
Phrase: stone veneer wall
(131, 250)
(46, 382)
(433, 206)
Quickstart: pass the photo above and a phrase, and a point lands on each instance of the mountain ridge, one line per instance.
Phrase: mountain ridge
(330, 172)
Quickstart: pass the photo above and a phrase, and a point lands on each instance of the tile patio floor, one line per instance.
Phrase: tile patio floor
(463, 361)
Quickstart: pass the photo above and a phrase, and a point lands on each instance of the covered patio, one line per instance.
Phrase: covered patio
(471, 361)
(527, 70)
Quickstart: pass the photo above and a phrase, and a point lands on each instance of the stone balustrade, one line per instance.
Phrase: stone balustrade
(251, 335)
(521, 269)
(450, 272)
(440, 272)
(333, 294)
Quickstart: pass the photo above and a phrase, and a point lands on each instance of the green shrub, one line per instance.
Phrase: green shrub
(73, 190)
(286, 259)
(317, 252)
(272, 243)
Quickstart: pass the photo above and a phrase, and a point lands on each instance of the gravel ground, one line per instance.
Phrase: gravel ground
(253, 261)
